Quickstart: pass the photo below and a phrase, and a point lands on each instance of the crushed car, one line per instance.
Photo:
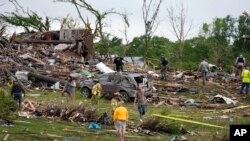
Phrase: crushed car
(126, 83)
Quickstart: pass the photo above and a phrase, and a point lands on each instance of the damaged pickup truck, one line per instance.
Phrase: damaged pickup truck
(126, 83)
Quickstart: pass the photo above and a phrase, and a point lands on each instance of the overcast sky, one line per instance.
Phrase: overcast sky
(198, 11)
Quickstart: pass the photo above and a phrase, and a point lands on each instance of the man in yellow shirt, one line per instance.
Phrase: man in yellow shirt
(120, 118)
(245, 80)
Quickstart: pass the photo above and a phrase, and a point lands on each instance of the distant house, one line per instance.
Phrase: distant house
(138, 61)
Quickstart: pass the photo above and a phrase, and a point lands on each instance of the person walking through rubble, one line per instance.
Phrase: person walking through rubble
(239, 64)
(118, 61)
(69, 87)
(115, 100)
(245, 80)
(141, 100)
(120, 118)
(204, 69)
(164, 67)
(17, 91)
(96, 91)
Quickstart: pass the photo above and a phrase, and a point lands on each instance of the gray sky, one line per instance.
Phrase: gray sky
(198, 11)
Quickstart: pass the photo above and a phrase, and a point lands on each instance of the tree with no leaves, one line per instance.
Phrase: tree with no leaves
(99, 16)
(150, 11)
(180, 26)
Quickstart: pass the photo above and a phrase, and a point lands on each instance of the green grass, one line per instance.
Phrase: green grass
(53, 129)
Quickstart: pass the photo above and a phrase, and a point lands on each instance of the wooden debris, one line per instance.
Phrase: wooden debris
(6, 137)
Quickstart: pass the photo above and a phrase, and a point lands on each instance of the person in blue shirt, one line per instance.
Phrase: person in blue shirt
(17, 92)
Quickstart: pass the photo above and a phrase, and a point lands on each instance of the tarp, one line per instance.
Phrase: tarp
(93, 125)
(103, 68)
(226, 99)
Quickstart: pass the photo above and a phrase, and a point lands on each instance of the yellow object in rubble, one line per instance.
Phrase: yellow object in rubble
(10, 84)
(96, 90)
(189, 121)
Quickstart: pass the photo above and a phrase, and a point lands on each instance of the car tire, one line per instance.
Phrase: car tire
(124, 96)
(86, 92)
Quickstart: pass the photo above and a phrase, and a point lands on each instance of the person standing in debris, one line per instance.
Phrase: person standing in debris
(203, 69)
(141, 100)
(96, 91)
(164, 67)
(118, 61)
(120, 118)
(17, 91)
(245, 80)
(239, 64)
(115, 100)
(70, 87)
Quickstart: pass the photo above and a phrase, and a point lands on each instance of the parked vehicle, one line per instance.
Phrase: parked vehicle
(125, 83)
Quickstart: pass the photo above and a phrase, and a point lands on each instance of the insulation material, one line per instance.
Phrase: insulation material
(22, 75)
(103, 68)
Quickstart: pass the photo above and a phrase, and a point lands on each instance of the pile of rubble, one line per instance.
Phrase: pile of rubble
(60, 111)
(46, 61)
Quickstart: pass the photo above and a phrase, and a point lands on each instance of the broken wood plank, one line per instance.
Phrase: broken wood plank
(6, 137)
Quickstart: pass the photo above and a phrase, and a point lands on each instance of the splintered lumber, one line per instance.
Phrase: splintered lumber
(235, 108)
(29, 104)
(6, 137)
(171, 87)
(37, 60)
(47, 41)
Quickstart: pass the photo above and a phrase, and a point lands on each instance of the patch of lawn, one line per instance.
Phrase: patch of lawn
(50, 129)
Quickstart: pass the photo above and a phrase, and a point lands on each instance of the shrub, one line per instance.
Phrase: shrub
(9, 107)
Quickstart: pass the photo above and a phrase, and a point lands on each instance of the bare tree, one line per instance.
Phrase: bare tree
(68, 22)
(17, 6)
(99, 16)
(246, 14)
(180, 26)
(150, 11)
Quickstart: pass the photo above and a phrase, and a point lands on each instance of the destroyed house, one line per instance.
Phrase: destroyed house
(82, 39)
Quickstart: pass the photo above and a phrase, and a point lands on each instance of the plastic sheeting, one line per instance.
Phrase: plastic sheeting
(22, 75)
(225, 99)
(103, 68)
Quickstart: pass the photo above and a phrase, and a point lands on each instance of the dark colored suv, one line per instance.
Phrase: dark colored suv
(126, 83)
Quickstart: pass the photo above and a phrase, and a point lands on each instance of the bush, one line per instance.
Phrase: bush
(9, 107)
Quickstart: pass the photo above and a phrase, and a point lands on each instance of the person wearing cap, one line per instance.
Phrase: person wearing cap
(16, 92)
(239, 64)
(70, 87)
(118, 61)
(96, 91)
(115, 100)
(164, 67)
(120, 118)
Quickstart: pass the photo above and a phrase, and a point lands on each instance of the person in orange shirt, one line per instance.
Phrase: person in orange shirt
(120, 118)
